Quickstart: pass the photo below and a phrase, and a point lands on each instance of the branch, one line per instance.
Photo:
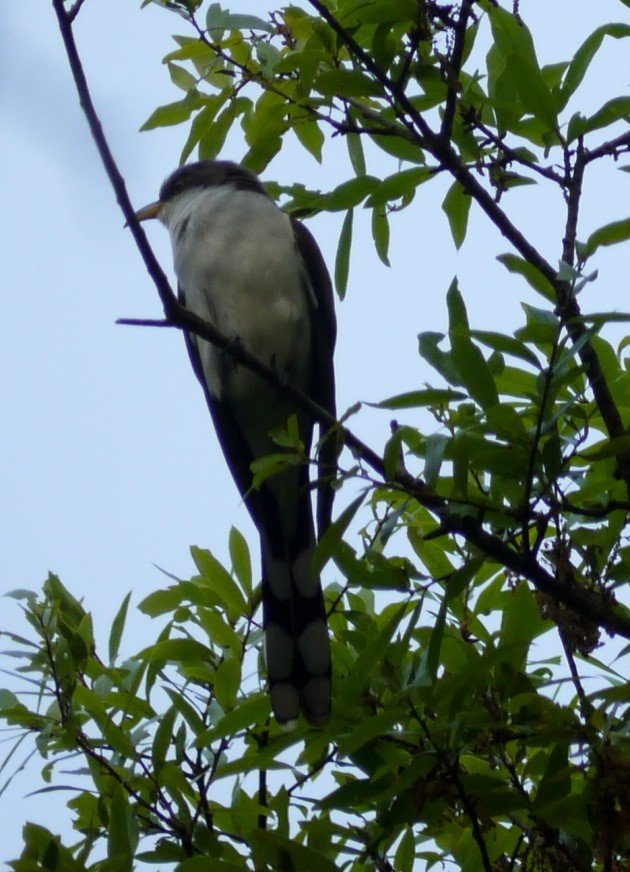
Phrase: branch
(573, 205)
(74, 10)
(455, 69)
(117, 182)
(614, 147)
(512, 156)
(178, 316)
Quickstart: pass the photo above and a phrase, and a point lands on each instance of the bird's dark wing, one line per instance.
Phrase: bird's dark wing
(294, 614)
(322, 385)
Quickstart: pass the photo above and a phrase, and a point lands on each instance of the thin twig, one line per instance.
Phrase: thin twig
(74, 10)
(586, 707)
(513, 156)
(454, 69)
(613, 148)
(540, 418)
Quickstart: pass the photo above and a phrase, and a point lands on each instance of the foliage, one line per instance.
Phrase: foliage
(452, 742)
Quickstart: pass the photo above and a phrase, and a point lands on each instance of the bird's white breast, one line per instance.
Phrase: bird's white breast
(236, 262)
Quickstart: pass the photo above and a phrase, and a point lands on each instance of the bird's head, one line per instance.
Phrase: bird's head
(197, 177)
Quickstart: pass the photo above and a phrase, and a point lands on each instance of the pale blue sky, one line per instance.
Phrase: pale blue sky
(109, 462)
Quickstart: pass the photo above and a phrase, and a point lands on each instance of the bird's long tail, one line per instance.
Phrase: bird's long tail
(294, 617)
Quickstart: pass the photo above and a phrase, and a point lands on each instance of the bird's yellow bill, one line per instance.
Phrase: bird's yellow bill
(153, 210)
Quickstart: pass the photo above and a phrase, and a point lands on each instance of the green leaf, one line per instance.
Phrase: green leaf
(246, 713)
(355, 152)
(532, 276)
(200, 864)
(456, 205)
(504, 100)
(227, 682)
(220, 580)
(177, 651)
(219, 631)
(173, 113)
(511, 36)
(162, 601)
(556, 781)
(533, 91)
(427, 397)
(342, 259)
(406, 852)
(583, 57)
(212, 137)
(181, 77)
(430, 659)
(515, 45)
(428, 348)
(327, 545)
(378, 12)
(399, 185)
(200, 126)
(366, 731)
(380, 233)
(162, 738)
(606, 448)
(186, 711)
(610, 234)
(542, 326)
(467, 360)
(346, 83)
(373, 572)
(399, 145)
(310, 135)
(436, 445)
(264, 129)
(363, 667)
(474, 372)
(350, 193)
(118, 832)
(457, 314)
(272, 851)
(118, 626)
(221, 19)
(506, 345)
(241, 560)
(521, 622)
(617, 109)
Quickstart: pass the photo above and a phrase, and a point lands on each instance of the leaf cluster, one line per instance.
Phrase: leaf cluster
(473, 723)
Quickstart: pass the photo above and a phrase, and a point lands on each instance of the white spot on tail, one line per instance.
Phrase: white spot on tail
(306, 581)
(316, 698)
(314, 647)
(285, 703)
(279, 650)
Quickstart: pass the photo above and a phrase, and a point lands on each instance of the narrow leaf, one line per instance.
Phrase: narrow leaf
(610, 234)
(584, 55)
(532, 276)
(342, 259)
(118, 626)
(456, 205)
(334, 534)
(380, 233)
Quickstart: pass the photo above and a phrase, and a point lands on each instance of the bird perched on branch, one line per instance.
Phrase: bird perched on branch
(259, 277)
